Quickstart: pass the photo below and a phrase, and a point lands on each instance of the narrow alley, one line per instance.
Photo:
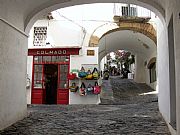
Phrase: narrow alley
(125, 109)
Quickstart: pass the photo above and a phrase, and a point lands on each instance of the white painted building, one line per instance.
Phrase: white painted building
(58, 37)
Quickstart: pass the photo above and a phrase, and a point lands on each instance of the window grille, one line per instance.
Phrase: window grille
(40, 35)
(129, 11)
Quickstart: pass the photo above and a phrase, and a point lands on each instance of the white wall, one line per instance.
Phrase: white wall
(60, 33)
(176, 24)
(82, 58)
(102, 62)
(147, 79)
(163, 71)
(76, 62)
(29, 75)
(13, 52)
(139, 75)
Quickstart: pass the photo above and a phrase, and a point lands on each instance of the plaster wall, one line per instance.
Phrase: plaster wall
(172, 8)
(176, 19)
(29, 75)
(147, 79)
(139, 75)
(163, 71)
(102, 62)
(60, 33)
(142, 74)
(13, 52)
(10, 11)
(76, 62)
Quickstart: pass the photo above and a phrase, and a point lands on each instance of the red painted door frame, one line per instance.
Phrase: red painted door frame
(62, 93)
(39, 94)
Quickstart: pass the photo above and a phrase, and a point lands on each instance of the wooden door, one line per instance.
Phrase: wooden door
(63, 84)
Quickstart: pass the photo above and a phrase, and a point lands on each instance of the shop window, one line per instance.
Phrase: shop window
(46, 59)
(152, 72)
(63, 76)
(56, 58)
(37, 59)
(37, 76)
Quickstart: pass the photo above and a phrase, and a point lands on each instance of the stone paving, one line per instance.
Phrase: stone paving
(138, 118)
(124, 91)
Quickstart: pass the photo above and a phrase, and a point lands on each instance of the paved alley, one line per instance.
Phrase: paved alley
(122, 112)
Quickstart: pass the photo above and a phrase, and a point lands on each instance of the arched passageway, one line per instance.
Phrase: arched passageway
(138, 44)
(18, 19)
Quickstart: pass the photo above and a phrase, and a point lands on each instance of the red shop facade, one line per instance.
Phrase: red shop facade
(49, 75)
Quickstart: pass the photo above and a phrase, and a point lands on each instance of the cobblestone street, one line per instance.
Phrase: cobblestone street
(121, 112)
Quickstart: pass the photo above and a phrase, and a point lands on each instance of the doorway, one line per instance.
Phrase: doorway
(51, 79)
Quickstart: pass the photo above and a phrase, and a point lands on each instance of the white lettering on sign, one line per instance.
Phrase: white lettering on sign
(38, 52)
(42, 52)
(55, 52)
(59, 52)
(64, 51)
(51, 52)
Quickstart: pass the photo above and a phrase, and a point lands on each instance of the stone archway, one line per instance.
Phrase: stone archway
(46, 7)
(141, 27)
(142, 46)
(34, 9)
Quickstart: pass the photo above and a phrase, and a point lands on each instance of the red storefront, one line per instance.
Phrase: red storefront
(49, 75)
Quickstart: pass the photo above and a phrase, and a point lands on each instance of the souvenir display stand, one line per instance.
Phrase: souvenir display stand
(85, 90)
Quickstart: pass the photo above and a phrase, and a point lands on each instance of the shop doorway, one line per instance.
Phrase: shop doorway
(51, 79)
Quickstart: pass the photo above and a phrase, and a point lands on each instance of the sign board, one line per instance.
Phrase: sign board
(53, 51)
(90, 52)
